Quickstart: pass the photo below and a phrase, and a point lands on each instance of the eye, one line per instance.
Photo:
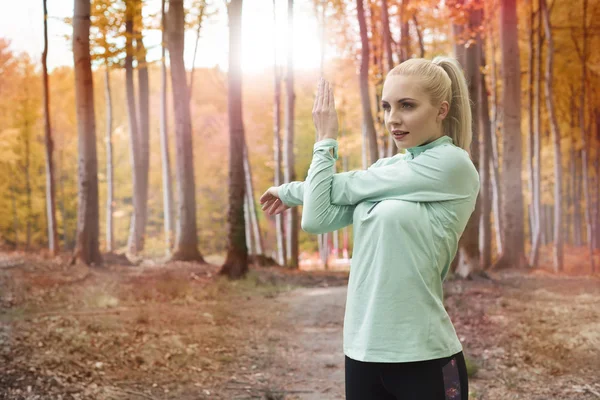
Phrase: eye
(385, 106)
(408, 105)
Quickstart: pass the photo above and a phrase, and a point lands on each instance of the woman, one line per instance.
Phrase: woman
(408, 213)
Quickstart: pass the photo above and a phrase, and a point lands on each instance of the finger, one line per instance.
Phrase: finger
(316, 97)
(318, 100)
(265, 197)
(273, 207)
(281, 208)
(265, 205)
(331, 99)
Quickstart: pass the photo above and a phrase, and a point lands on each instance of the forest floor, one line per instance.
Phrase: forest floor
(179, 331)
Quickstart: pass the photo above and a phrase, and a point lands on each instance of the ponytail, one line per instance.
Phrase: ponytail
(458, 122)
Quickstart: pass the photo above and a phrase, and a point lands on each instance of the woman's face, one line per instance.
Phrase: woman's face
(408, 113)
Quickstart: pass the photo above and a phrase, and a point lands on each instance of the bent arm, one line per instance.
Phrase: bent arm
(318, 214)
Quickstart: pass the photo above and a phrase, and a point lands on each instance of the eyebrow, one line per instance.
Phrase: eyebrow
(399, 101)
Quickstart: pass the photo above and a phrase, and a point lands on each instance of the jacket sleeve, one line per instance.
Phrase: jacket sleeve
(438, 174)
(318, 214)
(292, 194)
(441, 173)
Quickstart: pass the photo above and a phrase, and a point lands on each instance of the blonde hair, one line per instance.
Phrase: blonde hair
(444, 80)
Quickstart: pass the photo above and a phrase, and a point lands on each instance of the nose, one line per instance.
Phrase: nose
(394, 119)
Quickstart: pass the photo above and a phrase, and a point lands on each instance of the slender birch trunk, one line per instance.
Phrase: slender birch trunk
(279, 218)
(530, 132)
(290, 174)
(253, 218)
(495, 160)
(584, 140)
(558, 242)
(485, 155)
(167, 184)
(53, 243)
(537, 155)
(110, 242)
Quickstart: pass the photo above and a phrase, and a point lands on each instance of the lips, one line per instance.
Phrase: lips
(398, 134)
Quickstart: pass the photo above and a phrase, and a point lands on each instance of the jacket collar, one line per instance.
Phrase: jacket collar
(415, 151)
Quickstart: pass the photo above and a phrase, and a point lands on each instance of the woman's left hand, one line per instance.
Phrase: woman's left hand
(324, 113)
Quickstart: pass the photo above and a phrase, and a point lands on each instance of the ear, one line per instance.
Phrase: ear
(443, 111)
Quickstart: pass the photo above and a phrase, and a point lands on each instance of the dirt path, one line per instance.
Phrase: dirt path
(533, 337)
(316, 358)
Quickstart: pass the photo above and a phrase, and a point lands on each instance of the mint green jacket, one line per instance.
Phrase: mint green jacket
(408, 213)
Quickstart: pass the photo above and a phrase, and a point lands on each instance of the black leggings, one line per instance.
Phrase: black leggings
(438, 379)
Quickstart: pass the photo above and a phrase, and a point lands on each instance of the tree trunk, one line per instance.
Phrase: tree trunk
(63, 208)
(322, 238)
(558, 242)
(144, 126)
(279, 221)
(584, 149)
(368, 128)
(200, 18)
(571, 188)
(513, 235)
(164, 142)
(568, 200)
(53, 243)
(134, 144)
(87, 248)
(420, 37)
(485, 155)
(141, 151)
(495, 159)
(290, 175)
(26, 168)
(345, 234)
(392, 149)
(13, 198)
(404, 33)
(537, 154)
(387, 36)
(577, 203)
(253, 221)
(550, 219)
(110, 243)
(186, 246)
(460, 51)
(248, 226)
(336, 244)
(530, 134)
(236, 262)
(597, 167)
(469, 256)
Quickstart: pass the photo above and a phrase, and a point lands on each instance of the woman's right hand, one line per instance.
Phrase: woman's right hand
(270, 202)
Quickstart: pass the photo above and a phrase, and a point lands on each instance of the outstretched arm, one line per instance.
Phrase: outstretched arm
(438, 174)
(292, 194)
